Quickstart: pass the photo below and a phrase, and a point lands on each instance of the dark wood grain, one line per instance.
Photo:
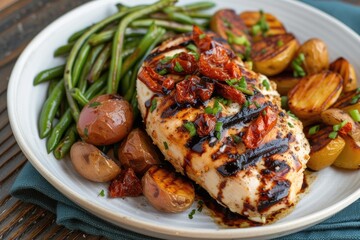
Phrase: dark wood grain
(20, 21)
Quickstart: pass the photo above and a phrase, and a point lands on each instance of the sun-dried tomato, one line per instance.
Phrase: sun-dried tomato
(183, 64)
(205, 124)
(192, 89)
(154, 81)
(259, 128)
(127, 184)
(233, 70)
(201, 39)
(230, 93)
(346, 129)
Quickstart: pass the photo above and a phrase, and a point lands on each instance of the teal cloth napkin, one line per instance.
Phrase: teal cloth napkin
(31, 187)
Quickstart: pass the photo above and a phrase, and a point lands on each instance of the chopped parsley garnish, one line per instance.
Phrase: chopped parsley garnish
(218, 128)
(163, 71)
(178, 67)
(94, 104)
(102, 193)
(292, 115)
(240, 85)
(355, 115)
(279, 43)
(247, 103)
(257, 105)
(224, 101)
(236, 138)
(355, 98)
(192, 47)
(263, 51)
(166, 59)
(333, 135)
(284, 102)
(314, 129)
(190, 127)
(201, 36)
(233, 39)
(153, 105)
(296, 65)
(336, 129)
(227, 23)
(200, 206)
(261, 26)
(166, 146)
(192, 213)
(215, 109)
(290, 125)
(266, 84)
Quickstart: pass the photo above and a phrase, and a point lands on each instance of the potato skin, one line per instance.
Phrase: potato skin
(92, 164)
(167, 191)
(347, 71)
(314, 94)
(349, 158)
(316, 56)
(270, 58)
(105, 120)
(138, 152)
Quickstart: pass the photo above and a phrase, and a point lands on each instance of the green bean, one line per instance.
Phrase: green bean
(123, 8)
(125, 82)
(88, 64)
(63, 50)
(148, 44)
(48, 74)
(117, 49)
(79, 97)
(65, 144)
(66, 119)
(194, 6)
(179, 17)
(199, 15)
(134, 104)
(68, 77)
(145, 23)
(102, 37)
(132, 43)
(98, 65)
(75, 36)
(52, 85)
(49, 109)
(80, 62)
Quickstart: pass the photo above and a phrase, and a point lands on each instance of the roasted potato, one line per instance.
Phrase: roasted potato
(314, 94)
(316, 56)
(167, 191)
(284, 82)
(251, 18)
(228, 25)
(347, 71)
(105, 120)
(348, 101)
(138, 152)
(271, 58)
(324, 150)
(349, 158)
(92, 164)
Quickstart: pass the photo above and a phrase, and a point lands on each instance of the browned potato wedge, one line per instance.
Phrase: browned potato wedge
(167, 191)
(250, 18)
(284, 82)
(349, 158)
(138, 152)
(347, 71)
(333, 116)
(231, 27)
(92, 164)
(324, 150)
(316, 56)
(314, 94)
(349, 101)
(271, 58)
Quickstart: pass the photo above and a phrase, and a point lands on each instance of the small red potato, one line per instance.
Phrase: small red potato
(167, 191)
(105, 120)
(92, 164)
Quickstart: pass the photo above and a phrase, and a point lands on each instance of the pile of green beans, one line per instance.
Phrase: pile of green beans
(105, 58)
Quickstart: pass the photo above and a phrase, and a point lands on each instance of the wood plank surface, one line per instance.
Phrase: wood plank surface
(20, 21)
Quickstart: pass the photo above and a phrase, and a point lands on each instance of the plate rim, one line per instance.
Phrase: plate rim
(147, 228)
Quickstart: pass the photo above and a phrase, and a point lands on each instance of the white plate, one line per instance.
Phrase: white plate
(332, 191)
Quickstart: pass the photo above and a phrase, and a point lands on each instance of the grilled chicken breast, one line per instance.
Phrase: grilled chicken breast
(221, 125)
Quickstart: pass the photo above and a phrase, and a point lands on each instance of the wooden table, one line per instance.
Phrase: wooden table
(20, 21)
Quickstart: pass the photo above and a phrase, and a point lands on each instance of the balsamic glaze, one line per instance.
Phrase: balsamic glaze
(274, 195)
(252, 156)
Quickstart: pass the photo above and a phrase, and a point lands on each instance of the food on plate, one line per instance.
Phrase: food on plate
(167, 191)
(138, 152)
(316, 56)
(347, 72)
(273, 54)
(105, 120)
(314, 94)
(223, 126)
(201, 84)
(92, 164)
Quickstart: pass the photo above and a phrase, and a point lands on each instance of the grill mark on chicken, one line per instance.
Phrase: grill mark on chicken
(252, 156)
(279, 191)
